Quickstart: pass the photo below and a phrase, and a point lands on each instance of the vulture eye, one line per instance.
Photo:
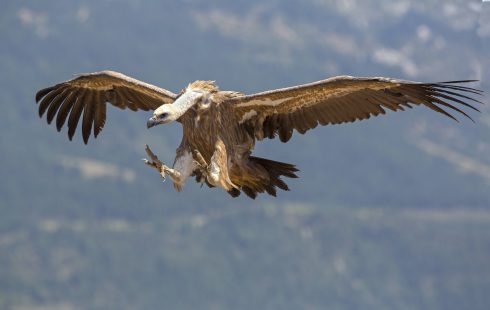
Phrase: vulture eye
(205, 102)
(163, 115)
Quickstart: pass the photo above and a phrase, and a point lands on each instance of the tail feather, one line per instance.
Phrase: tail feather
(275, 171)
(277, 168)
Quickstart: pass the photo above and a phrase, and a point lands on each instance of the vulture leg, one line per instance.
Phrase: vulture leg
(184, 165)
(154, 162)
(201, 164)
(217, 171)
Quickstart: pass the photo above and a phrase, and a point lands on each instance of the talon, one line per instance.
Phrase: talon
(199, 159)
(152, 156)
(201, 167)
(159, 165)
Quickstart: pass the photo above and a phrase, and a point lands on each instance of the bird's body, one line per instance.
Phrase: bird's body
(220, 128)
(214, 133)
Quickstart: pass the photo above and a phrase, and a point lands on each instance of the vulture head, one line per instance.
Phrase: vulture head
(198, 92)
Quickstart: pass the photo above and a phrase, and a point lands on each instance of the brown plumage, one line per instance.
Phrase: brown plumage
(90, 92)
(220, 127)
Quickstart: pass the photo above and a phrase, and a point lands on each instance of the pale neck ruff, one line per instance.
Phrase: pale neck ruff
(185, 102)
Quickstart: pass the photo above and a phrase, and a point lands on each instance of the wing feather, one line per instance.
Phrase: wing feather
(65, 109)
(443, 103)
(90, 92)
(88, 115)
(445, 94)
(345, 99)
(100, 114)
(456, 87)
(75, 113)
(418, 98)
(128, 100)
(56, 104)
(44, 92)
(285, 129)
(43, 106)
(120, 100)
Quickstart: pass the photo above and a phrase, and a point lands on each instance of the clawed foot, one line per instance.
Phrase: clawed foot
(199, 160)
(155, 163)
(201, 165)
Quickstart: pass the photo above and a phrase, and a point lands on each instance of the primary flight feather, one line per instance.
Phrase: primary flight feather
(220, 127)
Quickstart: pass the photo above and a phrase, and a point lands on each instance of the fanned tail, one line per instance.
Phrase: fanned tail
(258, 184)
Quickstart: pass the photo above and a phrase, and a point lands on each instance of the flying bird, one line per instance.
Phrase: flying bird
(220, 127)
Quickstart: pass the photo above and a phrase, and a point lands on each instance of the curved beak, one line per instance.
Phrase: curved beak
(151, 122)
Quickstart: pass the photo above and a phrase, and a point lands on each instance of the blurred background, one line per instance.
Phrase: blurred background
(390, 213)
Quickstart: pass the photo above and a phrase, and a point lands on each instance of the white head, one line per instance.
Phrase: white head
(194, 93)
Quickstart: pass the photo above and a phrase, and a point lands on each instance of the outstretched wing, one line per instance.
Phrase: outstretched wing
(88, 93)
(343, 99)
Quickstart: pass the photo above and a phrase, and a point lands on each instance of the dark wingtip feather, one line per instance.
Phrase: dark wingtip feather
(71, 133)
(441, 102)
(55, 105)
(458, 82)
(443, 92)
(75, 114)
(97, 130)
(64, 110)
(458, 88)
(449, 115)
(43, 92)
(447, 94)
(88, 119)
(47, 99)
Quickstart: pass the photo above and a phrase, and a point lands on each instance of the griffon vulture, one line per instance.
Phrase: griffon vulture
(220, 127)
